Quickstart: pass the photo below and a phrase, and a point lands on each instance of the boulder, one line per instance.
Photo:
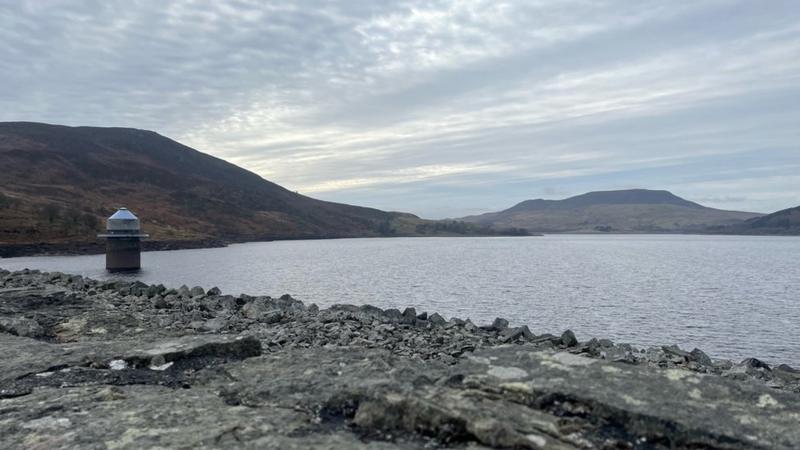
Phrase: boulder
(499, 324)
(214, 291)
(197, 291)
(568, 339)
(515, 334)
(700, 357)
(436, 319)
(22, 326)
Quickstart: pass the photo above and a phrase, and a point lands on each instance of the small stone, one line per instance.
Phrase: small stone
(436, 319)
(157, 360)
(162, 367)
(197, 291)
(118, 364)
(214, 291)
(753, 363)
(674, 350)
(469, 326)
(184, 292)
(109, 394)
(568, 339)
(160, 303)
(22, 327)
(700, 357)
(605, 343)
(513, 334)
(499, 324)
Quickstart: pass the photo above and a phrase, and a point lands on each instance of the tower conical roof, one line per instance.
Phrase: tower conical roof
(123, 214)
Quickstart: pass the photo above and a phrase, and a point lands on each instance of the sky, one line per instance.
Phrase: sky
(439, 108)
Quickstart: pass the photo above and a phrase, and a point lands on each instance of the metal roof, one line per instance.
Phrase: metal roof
(123, 214)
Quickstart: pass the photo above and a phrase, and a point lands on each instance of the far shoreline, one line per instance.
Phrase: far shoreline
(81, 248)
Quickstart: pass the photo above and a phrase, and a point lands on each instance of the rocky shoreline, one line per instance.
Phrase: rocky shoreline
(14, 250)
(93, 364)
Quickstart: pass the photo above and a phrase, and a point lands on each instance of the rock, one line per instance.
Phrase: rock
(161, 303)
(499, 324)
(212, 325)
(753, 363)
(255, 308)
(469, 326)
(455, 322)
(787, 369)
(184, 292)
(214, 291)
(568, 339)
(393, 315)
(272, 317)
(409, 315)
(674, 350)
(700, 357)
(605, 343)
(21, 326)
(436, 319)
(422, 316)
(515, 334)
(197, 291)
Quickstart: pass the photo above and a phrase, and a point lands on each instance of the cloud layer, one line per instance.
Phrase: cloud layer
(439, 108)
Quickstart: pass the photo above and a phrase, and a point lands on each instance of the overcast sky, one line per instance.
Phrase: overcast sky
(438, 108)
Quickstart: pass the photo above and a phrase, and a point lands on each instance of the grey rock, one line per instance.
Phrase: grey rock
(214, 325)
(469, 326)
(700, 357)
(437, 319)
(409, 316)
(605, 343)
(21, 326)
(197, 291)
(515, 334)
(161, 303)
(568, 339)
(674, 350)
(184, 292)
(393, 314)
(499, 324)
(214, 291)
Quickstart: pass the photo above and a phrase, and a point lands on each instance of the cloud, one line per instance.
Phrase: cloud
(434, 107)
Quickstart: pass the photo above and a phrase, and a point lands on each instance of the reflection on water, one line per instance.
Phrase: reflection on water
(731, 296)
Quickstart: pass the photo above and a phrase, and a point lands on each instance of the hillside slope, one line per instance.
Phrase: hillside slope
(783, 222)
(626, 211)
(59, 183)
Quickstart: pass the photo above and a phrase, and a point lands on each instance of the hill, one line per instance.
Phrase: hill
(625, 211)
(59, 183)
(784, 222)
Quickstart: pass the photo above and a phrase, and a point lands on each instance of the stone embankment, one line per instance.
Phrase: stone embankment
(93, 364)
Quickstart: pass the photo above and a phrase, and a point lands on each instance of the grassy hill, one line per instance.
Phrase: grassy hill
(59, 183)
(626, 211)
(784, 222)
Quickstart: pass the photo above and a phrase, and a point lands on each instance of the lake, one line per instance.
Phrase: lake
(731, 296)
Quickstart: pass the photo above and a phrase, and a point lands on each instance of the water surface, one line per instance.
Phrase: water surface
(732, 296)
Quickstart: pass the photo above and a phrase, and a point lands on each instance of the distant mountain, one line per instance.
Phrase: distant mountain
(785, 222)
(625, 211)
(59, 183)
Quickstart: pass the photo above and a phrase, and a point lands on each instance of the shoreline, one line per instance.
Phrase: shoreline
(359, 374)
(16, 250)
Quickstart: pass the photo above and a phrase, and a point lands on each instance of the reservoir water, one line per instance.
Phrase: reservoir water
(731, 296)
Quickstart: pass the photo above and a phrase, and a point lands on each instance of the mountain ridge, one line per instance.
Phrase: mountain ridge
(627, 211)
(59, 183)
